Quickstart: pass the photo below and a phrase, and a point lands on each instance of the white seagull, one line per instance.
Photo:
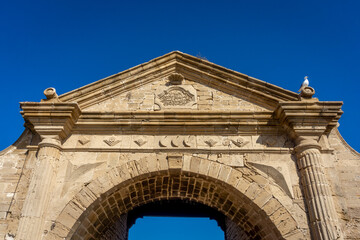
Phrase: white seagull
(304, 84)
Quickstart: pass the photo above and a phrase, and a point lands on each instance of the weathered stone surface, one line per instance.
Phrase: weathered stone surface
(180, 129)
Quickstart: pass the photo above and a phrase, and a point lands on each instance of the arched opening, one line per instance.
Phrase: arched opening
(176, 228)
(237, 198)
(178, 219)
(175, 208)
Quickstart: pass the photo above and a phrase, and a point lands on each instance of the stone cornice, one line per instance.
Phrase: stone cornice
(192, 68)
(308, 118)
(54, 120)
(149, 122)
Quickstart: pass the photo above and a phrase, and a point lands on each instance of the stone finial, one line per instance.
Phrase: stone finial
(176, 79)
(50, 93)
(51, 96)
(307, 92)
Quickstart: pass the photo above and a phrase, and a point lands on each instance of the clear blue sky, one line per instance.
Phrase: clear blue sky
(67, 44)
(175, 228)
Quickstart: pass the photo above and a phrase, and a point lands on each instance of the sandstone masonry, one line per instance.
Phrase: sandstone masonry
(269, 162)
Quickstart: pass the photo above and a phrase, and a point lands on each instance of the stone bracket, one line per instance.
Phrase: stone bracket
(53, 120)
(308, 118)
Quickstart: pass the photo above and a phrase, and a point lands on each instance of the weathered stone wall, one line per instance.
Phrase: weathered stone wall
(151, 181)
(13, 167)
(343, 171)
(144, 98)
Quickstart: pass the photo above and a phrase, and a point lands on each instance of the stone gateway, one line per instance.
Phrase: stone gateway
(180, 132)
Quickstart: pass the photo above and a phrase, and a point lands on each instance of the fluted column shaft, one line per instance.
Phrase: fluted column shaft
(322, 213)
(32, 223)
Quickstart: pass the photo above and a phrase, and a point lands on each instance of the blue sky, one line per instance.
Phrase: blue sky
(67, 44)
(155, 228)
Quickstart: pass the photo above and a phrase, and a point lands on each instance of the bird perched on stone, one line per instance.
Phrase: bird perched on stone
(304, 84)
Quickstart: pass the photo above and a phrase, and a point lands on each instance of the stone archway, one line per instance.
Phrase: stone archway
(242, 199)
(179, 104)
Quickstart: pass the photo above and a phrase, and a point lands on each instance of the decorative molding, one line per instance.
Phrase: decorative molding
(210, 142)
(162, 143)
(239, 142)
(226, 142)
(111, 141)
(140, 142)
(174, 143)
(186, 143)
(176, 79)
(83, 140)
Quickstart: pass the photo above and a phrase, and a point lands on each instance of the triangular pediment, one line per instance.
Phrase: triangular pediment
(178, 81)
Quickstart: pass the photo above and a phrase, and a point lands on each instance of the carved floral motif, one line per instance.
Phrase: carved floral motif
(239, 142)
(176, 96)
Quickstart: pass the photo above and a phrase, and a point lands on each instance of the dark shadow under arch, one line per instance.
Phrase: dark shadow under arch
(175, 208)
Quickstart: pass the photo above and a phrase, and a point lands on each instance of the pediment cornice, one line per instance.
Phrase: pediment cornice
(286, 110)
(193, 69)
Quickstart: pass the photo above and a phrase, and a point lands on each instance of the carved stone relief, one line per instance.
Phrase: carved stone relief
(167, 97)
(211, 142)
(111, 141)
(83, 140)
(176, 96)
(177, 141)
(140, 142)
(175, 79)
(235, 141)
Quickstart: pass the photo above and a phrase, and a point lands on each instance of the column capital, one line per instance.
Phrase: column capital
(51, 120)
(304, 143)
(308, 119)
(49, 141)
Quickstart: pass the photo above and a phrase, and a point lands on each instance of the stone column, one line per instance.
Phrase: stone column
(53, 121)
(322, 214)
(32, 223)
(306, 121)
